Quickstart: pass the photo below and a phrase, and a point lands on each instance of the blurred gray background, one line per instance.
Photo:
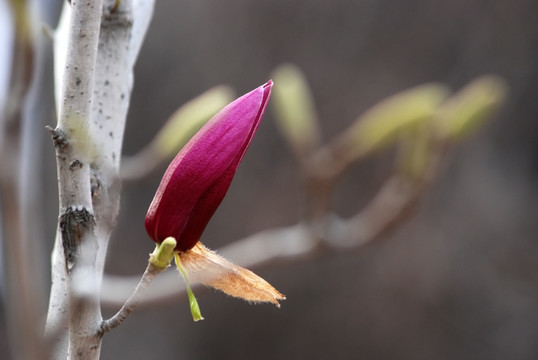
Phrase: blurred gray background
(457, 281)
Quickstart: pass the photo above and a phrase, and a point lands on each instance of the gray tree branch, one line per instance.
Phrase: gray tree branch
(96, 46)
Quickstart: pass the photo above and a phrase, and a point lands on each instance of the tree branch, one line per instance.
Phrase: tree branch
(73, 144)
(96, 46)
(131, 303)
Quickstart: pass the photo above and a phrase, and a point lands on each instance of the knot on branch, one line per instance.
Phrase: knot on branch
(77, 164)
(75, 222)
(58, 138)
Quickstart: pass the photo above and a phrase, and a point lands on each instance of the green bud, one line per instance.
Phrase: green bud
(188, 119)
(294, 107)
(163, 254)
(380, 125)
(465, 111)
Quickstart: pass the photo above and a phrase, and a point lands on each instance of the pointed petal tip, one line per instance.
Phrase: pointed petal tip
(268, 84)
(267, 87)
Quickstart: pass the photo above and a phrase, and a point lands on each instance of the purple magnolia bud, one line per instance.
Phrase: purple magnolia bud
(196, 181)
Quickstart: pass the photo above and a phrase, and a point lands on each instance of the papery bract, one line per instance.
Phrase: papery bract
(196, 181)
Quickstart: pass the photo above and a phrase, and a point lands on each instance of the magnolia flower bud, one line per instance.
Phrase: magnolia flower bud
(196, 181)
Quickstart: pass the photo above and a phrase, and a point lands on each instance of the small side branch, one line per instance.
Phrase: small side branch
(131, 303)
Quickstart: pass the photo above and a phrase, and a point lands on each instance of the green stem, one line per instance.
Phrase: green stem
(195, 309)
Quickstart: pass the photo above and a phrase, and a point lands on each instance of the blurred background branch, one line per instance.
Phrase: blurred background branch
(18, 142)
(426, 107)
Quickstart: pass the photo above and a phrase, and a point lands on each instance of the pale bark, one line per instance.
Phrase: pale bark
(100, 48)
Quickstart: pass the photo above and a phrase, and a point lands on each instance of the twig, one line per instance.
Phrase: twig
(391, 205)
(131, 303)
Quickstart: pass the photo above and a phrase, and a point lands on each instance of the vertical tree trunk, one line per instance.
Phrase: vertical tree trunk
(100, 44)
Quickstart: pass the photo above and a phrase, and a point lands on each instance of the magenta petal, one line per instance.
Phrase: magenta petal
(198, 178)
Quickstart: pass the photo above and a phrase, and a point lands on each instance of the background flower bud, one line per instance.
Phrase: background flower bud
(381, 124)
(466, 110)
(188, 119)
(296, 114)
